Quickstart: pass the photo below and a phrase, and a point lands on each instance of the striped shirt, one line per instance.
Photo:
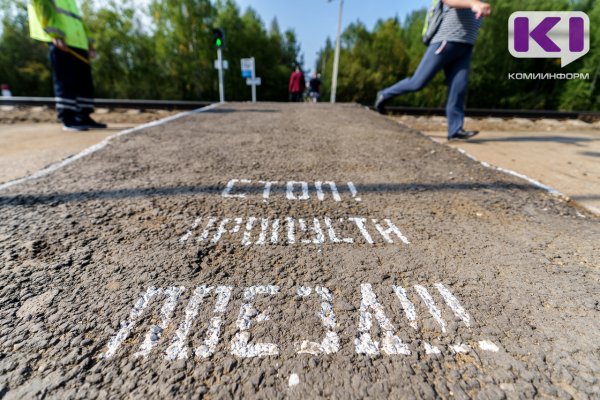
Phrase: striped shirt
(458, 25)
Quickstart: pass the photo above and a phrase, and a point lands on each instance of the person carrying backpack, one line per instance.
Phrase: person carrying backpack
(450, 32)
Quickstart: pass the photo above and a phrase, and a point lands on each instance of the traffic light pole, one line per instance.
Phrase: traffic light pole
(221, 86)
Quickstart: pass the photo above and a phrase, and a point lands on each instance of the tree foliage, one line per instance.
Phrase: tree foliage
(162, 52)
(23, 63)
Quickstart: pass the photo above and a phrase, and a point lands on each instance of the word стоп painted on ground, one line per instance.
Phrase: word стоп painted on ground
(244, 345)
(294, 190)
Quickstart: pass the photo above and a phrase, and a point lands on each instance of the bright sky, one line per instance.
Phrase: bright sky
(315, 20)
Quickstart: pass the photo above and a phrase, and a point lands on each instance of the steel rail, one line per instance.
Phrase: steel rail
(498, 113)
(109, 103)
(393, 110)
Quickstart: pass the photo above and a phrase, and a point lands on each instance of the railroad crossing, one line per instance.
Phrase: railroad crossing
(292, 251)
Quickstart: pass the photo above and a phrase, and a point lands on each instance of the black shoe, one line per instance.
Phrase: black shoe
(73, 126)
(463, 135)
(380, 103)
(89, 123)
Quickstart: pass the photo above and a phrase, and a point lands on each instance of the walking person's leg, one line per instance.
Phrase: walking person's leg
(457, 78)
(436, 57)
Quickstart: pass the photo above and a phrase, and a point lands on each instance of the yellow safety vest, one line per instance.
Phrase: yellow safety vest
(63, 20)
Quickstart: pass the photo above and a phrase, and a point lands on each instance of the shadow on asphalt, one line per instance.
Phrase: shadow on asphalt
(119, 194)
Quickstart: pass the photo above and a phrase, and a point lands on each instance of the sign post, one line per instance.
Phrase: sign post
(220, 64)
(220, 68)
(249, 72)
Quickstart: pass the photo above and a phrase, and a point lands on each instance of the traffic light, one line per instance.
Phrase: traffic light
(218, 37)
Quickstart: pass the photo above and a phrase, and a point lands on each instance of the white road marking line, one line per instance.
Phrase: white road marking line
(264, 228)
(486, 345)
(229, 187)
(126, 327)
(319, 187)
(267, 190)
(240, 345)
(334, 191)
(155, 332)
(460, 348)
(304, 291)
(205, 233)
(178, 348)
(275, 231)
(364, 344)
(290, 191)
(354, 192)
(360, 223)
(319, 238)
(454, 304)
(332, 235)
(221, 230)
(214, 330)
(185, 237)
(302, 225)
(249, 225)
(546, 188)
(93, 149)
(391, 229)
(332, 186)
(189, 233)
(290, 230)
(315, 228)
(513, 173)
(433, 310)
(535, 183)
(294, 380)
(429, 349)
(237, 226)
(407, 306)
(331, 342)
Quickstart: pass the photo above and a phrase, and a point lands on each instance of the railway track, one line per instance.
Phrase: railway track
(191, 105)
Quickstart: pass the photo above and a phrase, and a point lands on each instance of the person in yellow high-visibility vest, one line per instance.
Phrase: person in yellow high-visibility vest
(59, 23)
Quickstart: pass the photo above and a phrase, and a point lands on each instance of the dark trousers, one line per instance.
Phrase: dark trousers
(73, 84)
(455, 59)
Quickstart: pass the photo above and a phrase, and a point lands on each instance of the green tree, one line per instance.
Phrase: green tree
(581, 94)
(366, 65)
(127, 66)
(368, 60)
(23, 62)
(182, 34)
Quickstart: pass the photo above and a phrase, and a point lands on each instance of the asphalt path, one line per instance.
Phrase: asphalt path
(293, 251)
